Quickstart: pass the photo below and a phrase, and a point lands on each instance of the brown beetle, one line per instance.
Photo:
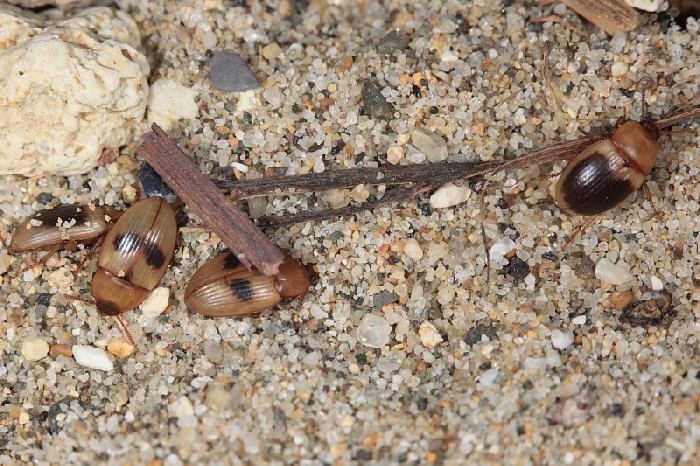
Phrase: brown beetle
(88, 223)
(137, 251)
(136, 254)
(223, 287)
(607, 172)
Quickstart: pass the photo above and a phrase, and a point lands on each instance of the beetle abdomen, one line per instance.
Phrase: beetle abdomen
(114, 295)
(596, 180)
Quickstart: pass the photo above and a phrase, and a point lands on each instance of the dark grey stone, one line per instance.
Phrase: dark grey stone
(230, 73)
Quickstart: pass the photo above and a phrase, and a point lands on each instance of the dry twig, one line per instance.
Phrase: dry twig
(220, 214)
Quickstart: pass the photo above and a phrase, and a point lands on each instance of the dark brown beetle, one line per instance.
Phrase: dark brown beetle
(223, 287)
(135, 256)
(608, 171)
(87, 224)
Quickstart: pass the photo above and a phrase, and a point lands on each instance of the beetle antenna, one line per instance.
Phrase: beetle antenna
(41, 261)
(126, 330)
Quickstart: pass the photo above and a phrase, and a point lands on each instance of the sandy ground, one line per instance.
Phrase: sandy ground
(537, 366)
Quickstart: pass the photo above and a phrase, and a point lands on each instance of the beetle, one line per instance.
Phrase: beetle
(137, 249)
(224, 287)
(45, 231)
(137, 252)
(608, 171)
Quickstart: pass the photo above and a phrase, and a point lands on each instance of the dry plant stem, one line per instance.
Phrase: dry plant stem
(414, 178)
(216, 211)
(390, 175)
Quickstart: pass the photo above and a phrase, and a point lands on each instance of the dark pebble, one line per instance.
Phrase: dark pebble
(374, 102)
(153, 185)
(518, 268)
(384, 297)
(585, 269)
(474, 335)
(394, 40)
(230, 73)
(44, 198)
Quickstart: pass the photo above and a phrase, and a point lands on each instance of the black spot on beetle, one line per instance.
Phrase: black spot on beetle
(106, 309)
(242, 289)
(231, 261)
(592, 188)
(154, 255)
(127, 242)
(130, 242)
(67, 213)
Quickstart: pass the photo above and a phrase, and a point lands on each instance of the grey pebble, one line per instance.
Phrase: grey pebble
(394, 40)
(384, 297)
(375, 103)
(230, 73)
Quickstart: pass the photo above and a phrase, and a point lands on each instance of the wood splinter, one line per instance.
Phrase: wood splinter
(250, 245)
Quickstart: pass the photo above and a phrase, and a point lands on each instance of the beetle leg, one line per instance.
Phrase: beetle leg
(577, 232)
(41, 261)
(647, 194)
(95, 248)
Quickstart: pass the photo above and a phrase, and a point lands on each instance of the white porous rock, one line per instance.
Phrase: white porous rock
(94, 358)
(449, 195)
(614, 274)
(68, 89)
(651, 6)
(169, 102)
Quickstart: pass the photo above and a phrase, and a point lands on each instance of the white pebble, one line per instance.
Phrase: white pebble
(429, 335)
(181, 407)
(412, 249)
(394, 154)
(562, 339)
(648, 5)
(449, 195)
(579, 320)
(156, 302)
(656, 283)
(374, 331)
(488, 378)
(34, 349)
(209, 40)
(614, 274)
(501, 248)
(537, 364)
(94, 358)
(618, 69)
